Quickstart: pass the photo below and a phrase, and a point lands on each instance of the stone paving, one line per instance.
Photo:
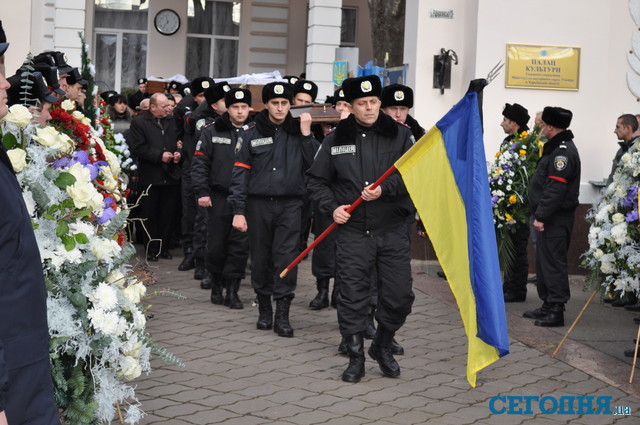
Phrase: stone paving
(236, 374)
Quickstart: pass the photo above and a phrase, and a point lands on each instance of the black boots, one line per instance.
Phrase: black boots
(370, 331)
(216, 289)
(281, 323)
(355, 349)
(265, 313)
(380, 351)
(554, 318)
(231, 299)
(206, 281)
(188, 262)
(538, 313)
(198, 273)
(322, 298)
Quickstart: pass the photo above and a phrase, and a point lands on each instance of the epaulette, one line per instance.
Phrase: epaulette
(403, 124)
(209, 124)
(249, 127)
(333, 130)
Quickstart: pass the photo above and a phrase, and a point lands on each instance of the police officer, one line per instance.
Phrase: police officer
(266, 197)
(323, 256)
(397, 100)
(360, 150)
(514, 121)
(135, 98)
(553, 198)
(227, 248)
(205, 113)
(183, 112)
(36, 96)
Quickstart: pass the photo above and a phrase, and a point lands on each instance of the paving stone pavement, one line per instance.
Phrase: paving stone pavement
(236, 374)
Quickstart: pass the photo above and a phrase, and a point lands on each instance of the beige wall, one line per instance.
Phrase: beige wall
(18, 35)
(602, 29)
(167, 54)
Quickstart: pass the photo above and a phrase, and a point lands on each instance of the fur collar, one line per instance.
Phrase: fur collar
(556, 141)
(347, 129)
(268, 128)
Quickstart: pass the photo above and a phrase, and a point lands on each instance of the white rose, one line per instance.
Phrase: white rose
(80, 172)
(104, 248)
(619, 233)
(114, 162)
(19, 115)
(598, 254)
(46, 136)
(77, 115)
(18, 159)
(607, 267)
(129, 368)
(625, 158)
(135, 292)
(85, 195)
(64, 143)
(68, 105)
(617, 218)
(139, 319)
(117, 278)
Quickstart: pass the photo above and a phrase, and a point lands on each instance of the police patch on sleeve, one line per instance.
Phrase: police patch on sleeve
(199, 145)
(201, 122)
(560, 162)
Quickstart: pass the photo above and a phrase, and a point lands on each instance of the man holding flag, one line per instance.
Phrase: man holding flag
(351, 158)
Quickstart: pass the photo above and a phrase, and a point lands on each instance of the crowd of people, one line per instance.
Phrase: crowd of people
(226, 182)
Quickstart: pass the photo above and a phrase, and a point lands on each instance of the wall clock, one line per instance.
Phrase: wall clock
(167, 22)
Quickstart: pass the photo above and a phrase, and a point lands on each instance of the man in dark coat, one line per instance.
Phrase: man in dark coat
(26, 390)
(374, 236)
(553, 199)
(514, 121)
(153, 138)
(227, 248)
(266, 198)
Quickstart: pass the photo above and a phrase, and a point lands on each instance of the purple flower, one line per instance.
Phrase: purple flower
(107, 214)
(494, 200)
(631, 216)
(632, 197)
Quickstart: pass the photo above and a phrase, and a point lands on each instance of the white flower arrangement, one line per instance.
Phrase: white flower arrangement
(95, 312)
(613, 256)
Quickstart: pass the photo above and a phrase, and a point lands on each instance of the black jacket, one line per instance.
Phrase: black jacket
(415, 127)
(212, 163)
(194, 122)
(624, 148)
(555, 185)
(271, 161)
(353, 157)
(24, 334)
(149, 138)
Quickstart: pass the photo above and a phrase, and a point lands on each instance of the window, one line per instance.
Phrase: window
(348, 27)
(120, 40)
(213, 33)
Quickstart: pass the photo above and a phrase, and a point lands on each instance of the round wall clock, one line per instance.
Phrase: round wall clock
(167, 22)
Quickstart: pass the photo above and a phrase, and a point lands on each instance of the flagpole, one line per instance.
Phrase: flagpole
(333, 225)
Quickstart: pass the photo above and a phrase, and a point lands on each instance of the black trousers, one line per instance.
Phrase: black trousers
(189, 207)
(389, 255)
(323, 257)
(551, 259)
(227, 248)
(274, 240)
(516, 282)
(158, 209)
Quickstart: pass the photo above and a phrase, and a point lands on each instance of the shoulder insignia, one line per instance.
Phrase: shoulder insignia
(200, 123)
(560, 162)
(403, 124)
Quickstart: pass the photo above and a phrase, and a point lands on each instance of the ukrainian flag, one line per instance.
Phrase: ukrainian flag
(446, 175)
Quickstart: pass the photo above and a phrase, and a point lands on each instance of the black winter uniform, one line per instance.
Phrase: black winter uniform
(515, 283)
(26, 390)
(149, 138)
(624, 148)
(194, 217)
(227, 248)
(376, 235)
(267, 187)
(415, 127)
(553, 198)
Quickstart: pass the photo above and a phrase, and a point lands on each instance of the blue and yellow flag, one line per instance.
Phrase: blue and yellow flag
(446, 175)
